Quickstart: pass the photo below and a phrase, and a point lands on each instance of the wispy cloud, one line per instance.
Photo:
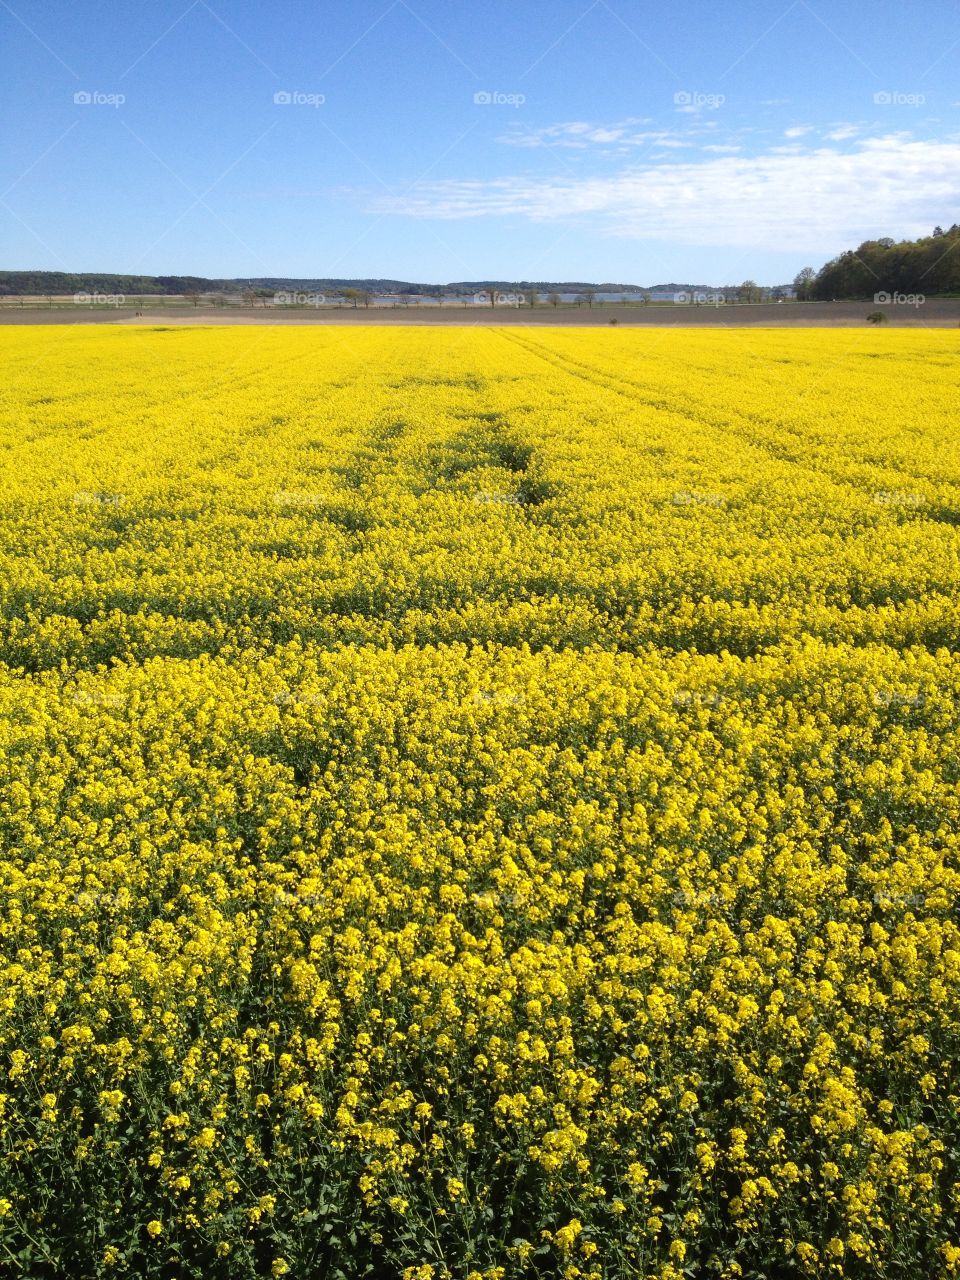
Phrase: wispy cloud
(813, 198)
(580, 134)
(843, 132)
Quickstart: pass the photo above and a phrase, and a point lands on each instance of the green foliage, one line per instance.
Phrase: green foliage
(927, 266)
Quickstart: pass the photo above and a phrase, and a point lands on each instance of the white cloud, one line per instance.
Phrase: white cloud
(606, 135)
(814, 199)
(798, 131)
(624, 134)
(843, 132)
(579, 134)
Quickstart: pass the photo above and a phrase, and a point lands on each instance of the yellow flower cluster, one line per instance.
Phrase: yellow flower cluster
(479, 803)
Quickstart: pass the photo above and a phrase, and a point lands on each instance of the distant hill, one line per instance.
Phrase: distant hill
(62, 282)
(16, 283)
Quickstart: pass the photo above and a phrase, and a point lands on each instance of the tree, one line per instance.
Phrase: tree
(531, 296)
(930, 265)
(749, 291)
(352, 295)
(590, 297)
(194, 298)
(876, 317)
(803, 283)
(553, 298)
(580, 299)
(364, 296)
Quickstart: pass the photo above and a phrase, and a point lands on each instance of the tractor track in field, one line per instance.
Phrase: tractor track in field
(631, 390)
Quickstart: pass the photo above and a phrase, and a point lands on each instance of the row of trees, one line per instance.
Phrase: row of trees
(19, 285)
(749, 291)
(62, 283)
(927, 266)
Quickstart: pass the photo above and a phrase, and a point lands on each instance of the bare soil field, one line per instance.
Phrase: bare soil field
(933, 313)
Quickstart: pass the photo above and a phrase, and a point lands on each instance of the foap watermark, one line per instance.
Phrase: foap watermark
(97, 698)
(491, 900)
(700, 299)
(896, 698)
(297, 98)
(711, 698)
(898, 901)
(498, 697)
(97, 98)
(499, 499)
(693, 100)
(684, 498)
(299, 299)
(698, 898)
(84, 299)
(298, 700)
(499, 299)
(87, 898)
(897, 498)
(895, 98)
(884, 299)
(96, 498)
(494, 98)
(283, 898)
(296, 498)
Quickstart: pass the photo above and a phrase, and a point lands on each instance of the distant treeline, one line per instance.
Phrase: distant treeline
(929, 266)
(59, 283)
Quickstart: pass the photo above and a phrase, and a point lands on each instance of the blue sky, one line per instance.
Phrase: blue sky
(436, 141)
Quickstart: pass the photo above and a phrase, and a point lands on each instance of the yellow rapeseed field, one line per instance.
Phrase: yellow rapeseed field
(479, 804)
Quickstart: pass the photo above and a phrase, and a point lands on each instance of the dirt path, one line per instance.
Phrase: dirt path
(934, 313)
